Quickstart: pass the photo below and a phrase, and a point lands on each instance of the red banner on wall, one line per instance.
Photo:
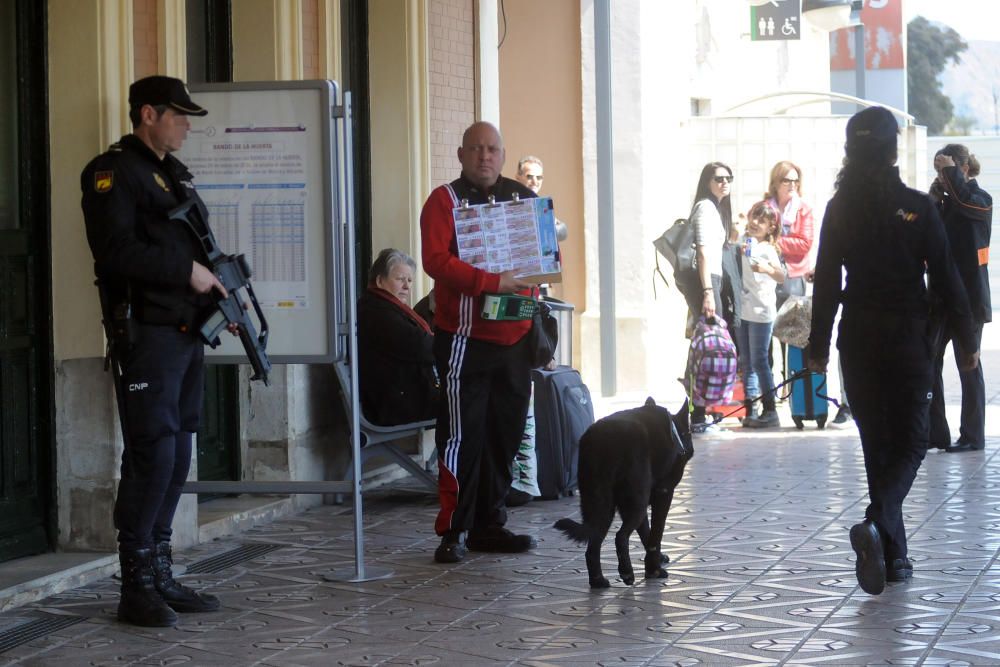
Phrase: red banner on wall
(883, 21)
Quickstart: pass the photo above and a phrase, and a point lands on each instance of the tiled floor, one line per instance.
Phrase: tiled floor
(762, 574)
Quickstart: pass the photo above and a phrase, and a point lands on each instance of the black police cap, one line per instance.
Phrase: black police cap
(163, 91)
(872, 124)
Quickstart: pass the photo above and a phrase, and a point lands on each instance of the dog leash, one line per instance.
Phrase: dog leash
(798, 375)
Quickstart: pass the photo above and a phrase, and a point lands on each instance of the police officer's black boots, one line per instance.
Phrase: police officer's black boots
(180, 598)
(140, 604)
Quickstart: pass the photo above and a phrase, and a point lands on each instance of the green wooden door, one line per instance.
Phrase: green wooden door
(219, 436)
(210, 59)
(25, 335)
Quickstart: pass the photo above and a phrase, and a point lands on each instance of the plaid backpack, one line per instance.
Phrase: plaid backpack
(712, 365)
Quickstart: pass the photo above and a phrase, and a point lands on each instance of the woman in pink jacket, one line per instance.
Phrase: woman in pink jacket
(785, 195)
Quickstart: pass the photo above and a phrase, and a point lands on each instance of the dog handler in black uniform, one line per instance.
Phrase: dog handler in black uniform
(146, 264)
(886, 236)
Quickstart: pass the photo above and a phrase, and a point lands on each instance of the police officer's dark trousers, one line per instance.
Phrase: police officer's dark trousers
(485, 389)
(973, 424)
(887, 365)
(163, 380)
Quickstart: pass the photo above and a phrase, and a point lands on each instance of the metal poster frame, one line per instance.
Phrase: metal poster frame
(341, 311)
(315, 328)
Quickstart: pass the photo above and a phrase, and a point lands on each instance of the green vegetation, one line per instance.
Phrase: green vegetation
(929, 49)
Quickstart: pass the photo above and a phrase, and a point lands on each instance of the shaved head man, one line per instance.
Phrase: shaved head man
(483, 364)
(481, 154)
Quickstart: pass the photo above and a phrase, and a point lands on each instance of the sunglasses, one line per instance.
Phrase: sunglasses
(722, 179)
(789, 181)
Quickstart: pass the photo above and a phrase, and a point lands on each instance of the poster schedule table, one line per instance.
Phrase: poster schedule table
(517, 236)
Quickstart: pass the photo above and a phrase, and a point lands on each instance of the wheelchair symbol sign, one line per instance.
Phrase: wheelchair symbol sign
(775, 20)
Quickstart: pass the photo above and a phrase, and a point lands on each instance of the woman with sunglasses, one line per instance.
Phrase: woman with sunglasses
(712, 219)
(784, 193)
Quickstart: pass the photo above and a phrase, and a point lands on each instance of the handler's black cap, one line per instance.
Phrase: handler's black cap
(873, 123)
(163, 91)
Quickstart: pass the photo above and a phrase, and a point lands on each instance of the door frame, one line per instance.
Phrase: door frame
(34, 215)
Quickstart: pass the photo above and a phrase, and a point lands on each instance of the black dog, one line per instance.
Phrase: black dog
(628, 461)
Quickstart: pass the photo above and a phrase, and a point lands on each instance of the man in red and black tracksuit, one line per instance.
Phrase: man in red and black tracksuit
(483, 364)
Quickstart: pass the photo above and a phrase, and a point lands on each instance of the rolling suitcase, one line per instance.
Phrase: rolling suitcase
(563, 411)
(806, 405)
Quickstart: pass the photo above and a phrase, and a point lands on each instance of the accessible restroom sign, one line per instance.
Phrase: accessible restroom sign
(776, 20)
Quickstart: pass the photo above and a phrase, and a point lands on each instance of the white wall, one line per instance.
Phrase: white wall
(665, 54)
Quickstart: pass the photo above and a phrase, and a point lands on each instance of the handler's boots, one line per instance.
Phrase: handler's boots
(179, 597)
(140, 604)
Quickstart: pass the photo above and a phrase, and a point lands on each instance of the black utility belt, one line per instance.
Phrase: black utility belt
(186, 321)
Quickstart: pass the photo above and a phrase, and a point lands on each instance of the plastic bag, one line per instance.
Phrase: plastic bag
(794, 320)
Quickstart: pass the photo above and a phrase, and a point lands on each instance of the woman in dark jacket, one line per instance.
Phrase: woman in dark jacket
(397, 380)
(887, 237)
(967, 211)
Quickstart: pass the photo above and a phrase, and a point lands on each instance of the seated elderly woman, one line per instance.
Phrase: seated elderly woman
(397, 380)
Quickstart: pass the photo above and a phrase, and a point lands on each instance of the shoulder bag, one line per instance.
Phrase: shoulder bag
(677, 245)
(543, 336)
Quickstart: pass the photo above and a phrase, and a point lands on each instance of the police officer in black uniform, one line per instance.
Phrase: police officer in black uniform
(148, 270)
(967, 211)
(886, 236)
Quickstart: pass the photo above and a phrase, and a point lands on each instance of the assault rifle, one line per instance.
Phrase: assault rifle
(234, 274)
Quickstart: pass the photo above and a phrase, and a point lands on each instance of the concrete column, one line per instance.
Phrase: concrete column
(267, 40)
(487, 62)
(89, 76)
(171, 20)
(329, 42)
(277, 431)
(398, 73)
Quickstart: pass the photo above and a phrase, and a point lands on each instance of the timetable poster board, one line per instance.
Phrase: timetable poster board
(251, 173)
(515, 235)
(262, 161)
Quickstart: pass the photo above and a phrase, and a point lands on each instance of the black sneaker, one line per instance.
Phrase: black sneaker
(497, 539)
(869, 567)
(900, 569)
(517, 497)
(963, 446)
(452, 548)
(843, 415)
(767, 419)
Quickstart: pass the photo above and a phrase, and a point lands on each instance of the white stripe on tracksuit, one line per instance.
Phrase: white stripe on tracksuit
(453, 384)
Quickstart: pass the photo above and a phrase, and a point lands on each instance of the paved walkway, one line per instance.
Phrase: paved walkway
(762, 574)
